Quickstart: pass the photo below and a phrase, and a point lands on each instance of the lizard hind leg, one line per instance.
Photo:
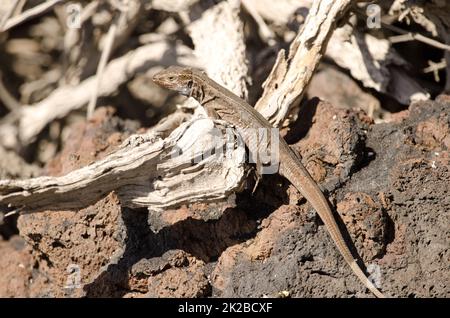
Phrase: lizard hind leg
(257, 177)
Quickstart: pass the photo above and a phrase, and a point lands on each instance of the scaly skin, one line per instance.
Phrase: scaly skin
(221, 103)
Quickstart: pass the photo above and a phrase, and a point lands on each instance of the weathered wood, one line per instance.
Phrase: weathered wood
(291, 74)
(146, 171)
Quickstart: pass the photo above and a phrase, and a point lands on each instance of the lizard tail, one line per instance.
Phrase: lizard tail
(323, 209)
(326, 215)
(320, 204)
(302, 180)
(363, 278)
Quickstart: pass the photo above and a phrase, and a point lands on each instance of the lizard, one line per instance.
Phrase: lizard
(220, 103)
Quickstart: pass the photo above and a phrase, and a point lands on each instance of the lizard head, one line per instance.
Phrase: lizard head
(175, 78)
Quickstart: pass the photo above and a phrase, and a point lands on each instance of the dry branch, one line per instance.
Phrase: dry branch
(158, 180)
(146, 171)
(68, 98)
(30, 13)
(80, 49)
(410, 36)
(367, 57)
(222, 55)
(8, 12)
(102, 64)
(291, 74)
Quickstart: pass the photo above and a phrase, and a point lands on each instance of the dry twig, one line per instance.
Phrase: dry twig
(29, 14)
(291, 74)
(410, 36)
(68, 98)
(103, 60)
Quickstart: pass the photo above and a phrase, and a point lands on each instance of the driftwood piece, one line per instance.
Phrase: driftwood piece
(291, 74)
(146, 171)
(65, 99)
(222, 55)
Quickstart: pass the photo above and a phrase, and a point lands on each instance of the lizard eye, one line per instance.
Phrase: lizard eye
(171, 78)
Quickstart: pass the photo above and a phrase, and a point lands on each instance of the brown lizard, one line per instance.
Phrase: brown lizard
(223, 104)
